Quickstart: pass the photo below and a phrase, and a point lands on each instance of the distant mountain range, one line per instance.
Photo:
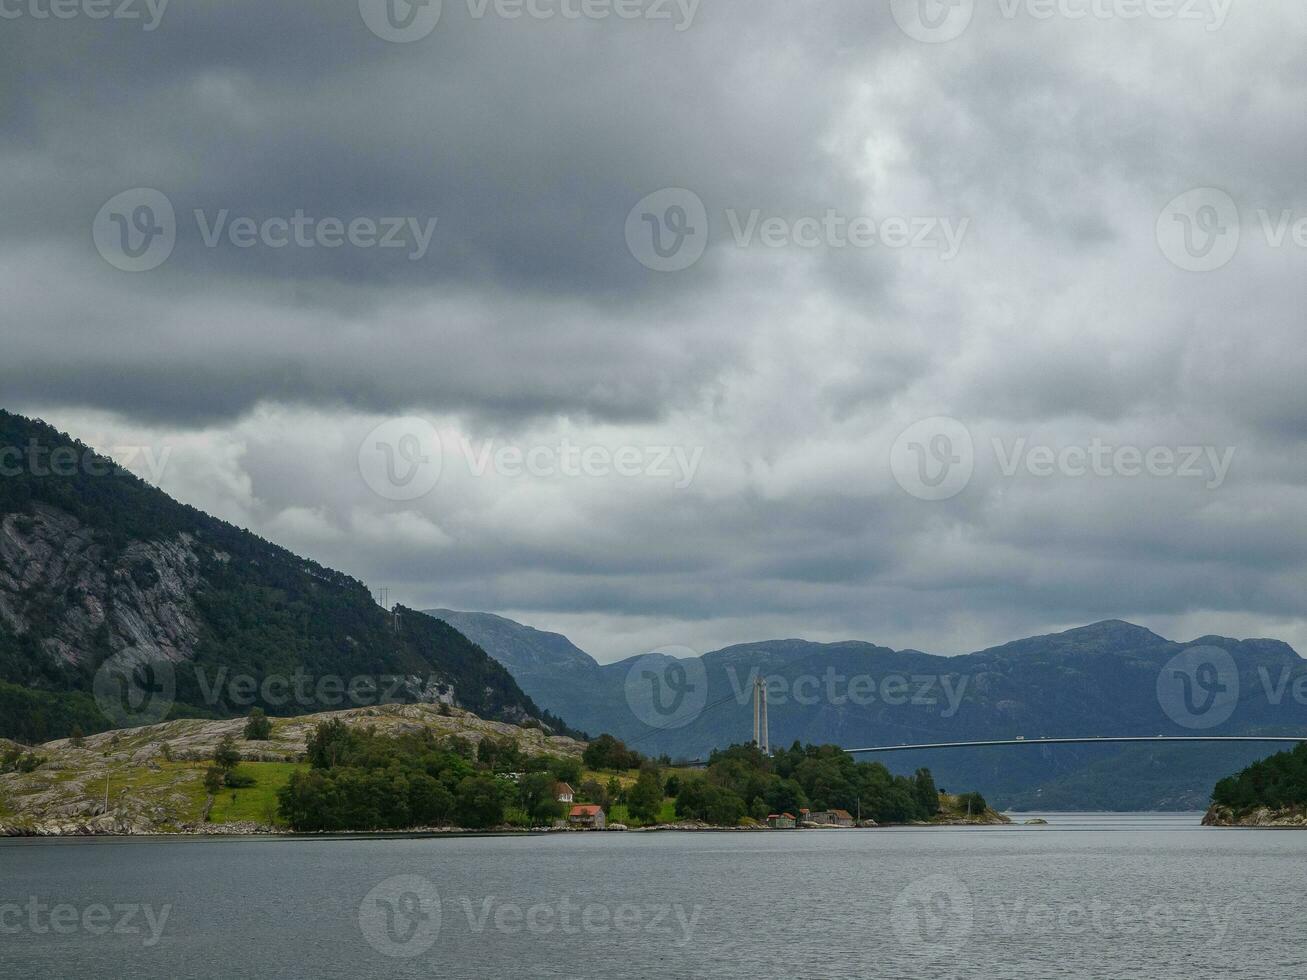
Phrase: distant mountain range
(97, 567)
(1111, 678)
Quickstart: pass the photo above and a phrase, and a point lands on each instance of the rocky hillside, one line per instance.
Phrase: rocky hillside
(103, 575)
(155, 774)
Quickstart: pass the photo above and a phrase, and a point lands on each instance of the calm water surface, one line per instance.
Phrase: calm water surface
(1090, 895)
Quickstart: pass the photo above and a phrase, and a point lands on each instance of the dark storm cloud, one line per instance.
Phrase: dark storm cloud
(527, 320)
(526, 143)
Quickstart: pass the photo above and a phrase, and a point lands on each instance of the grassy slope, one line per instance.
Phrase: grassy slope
(156, 774)
(257, 803)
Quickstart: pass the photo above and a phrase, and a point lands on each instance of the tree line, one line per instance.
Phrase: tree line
(1278, 782)
(360, 780)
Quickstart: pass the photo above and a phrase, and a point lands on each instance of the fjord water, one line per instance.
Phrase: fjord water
(1090, 895)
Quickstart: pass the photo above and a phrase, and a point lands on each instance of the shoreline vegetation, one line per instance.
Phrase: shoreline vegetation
(1271, 793)
(417, 770)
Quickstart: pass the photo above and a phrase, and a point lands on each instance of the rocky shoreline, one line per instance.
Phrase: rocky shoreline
(110, 826)
(1224, 816)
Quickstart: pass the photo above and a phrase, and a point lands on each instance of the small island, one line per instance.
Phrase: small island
(1269, 793)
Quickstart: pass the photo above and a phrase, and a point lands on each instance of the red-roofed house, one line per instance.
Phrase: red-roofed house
(588, 816)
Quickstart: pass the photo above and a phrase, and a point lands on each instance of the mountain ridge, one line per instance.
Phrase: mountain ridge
(1098, 679)
(100, 570)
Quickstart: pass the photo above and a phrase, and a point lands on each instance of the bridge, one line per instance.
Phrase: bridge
(1089, 740)
(760, 738)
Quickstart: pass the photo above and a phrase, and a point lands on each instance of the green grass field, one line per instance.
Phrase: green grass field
(258, 803)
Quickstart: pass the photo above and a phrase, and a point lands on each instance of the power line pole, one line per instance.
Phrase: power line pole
(760, 735)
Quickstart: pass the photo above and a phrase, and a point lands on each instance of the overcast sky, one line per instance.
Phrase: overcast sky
(909, 344)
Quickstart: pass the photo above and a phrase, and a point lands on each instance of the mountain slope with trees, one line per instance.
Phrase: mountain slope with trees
(97, 564)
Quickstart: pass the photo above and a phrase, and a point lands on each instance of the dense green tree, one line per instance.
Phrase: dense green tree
(330, 743)
(566, 770)
(607, 752)
(479, 802)
(257, 726)
(500, 755)
(214, 777)
(645, 799)
(430, 803)
(536, 796)
(226, 757)
(927, 794)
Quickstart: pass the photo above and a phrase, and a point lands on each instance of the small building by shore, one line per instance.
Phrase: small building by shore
(587, 817)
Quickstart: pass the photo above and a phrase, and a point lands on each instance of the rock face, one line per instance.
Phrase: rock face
(1223, 816)
(96, 564)
(138, 600)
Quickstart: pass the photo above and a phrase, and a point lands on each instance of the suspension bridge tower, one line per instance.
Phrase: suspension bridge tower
(760, 715)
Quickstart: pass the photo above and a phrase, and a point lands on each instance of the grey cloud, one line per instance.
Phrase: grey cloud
(795, 369)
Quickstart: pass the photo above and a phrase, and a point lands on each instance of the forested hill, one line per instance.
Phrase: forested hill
(96, 565)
